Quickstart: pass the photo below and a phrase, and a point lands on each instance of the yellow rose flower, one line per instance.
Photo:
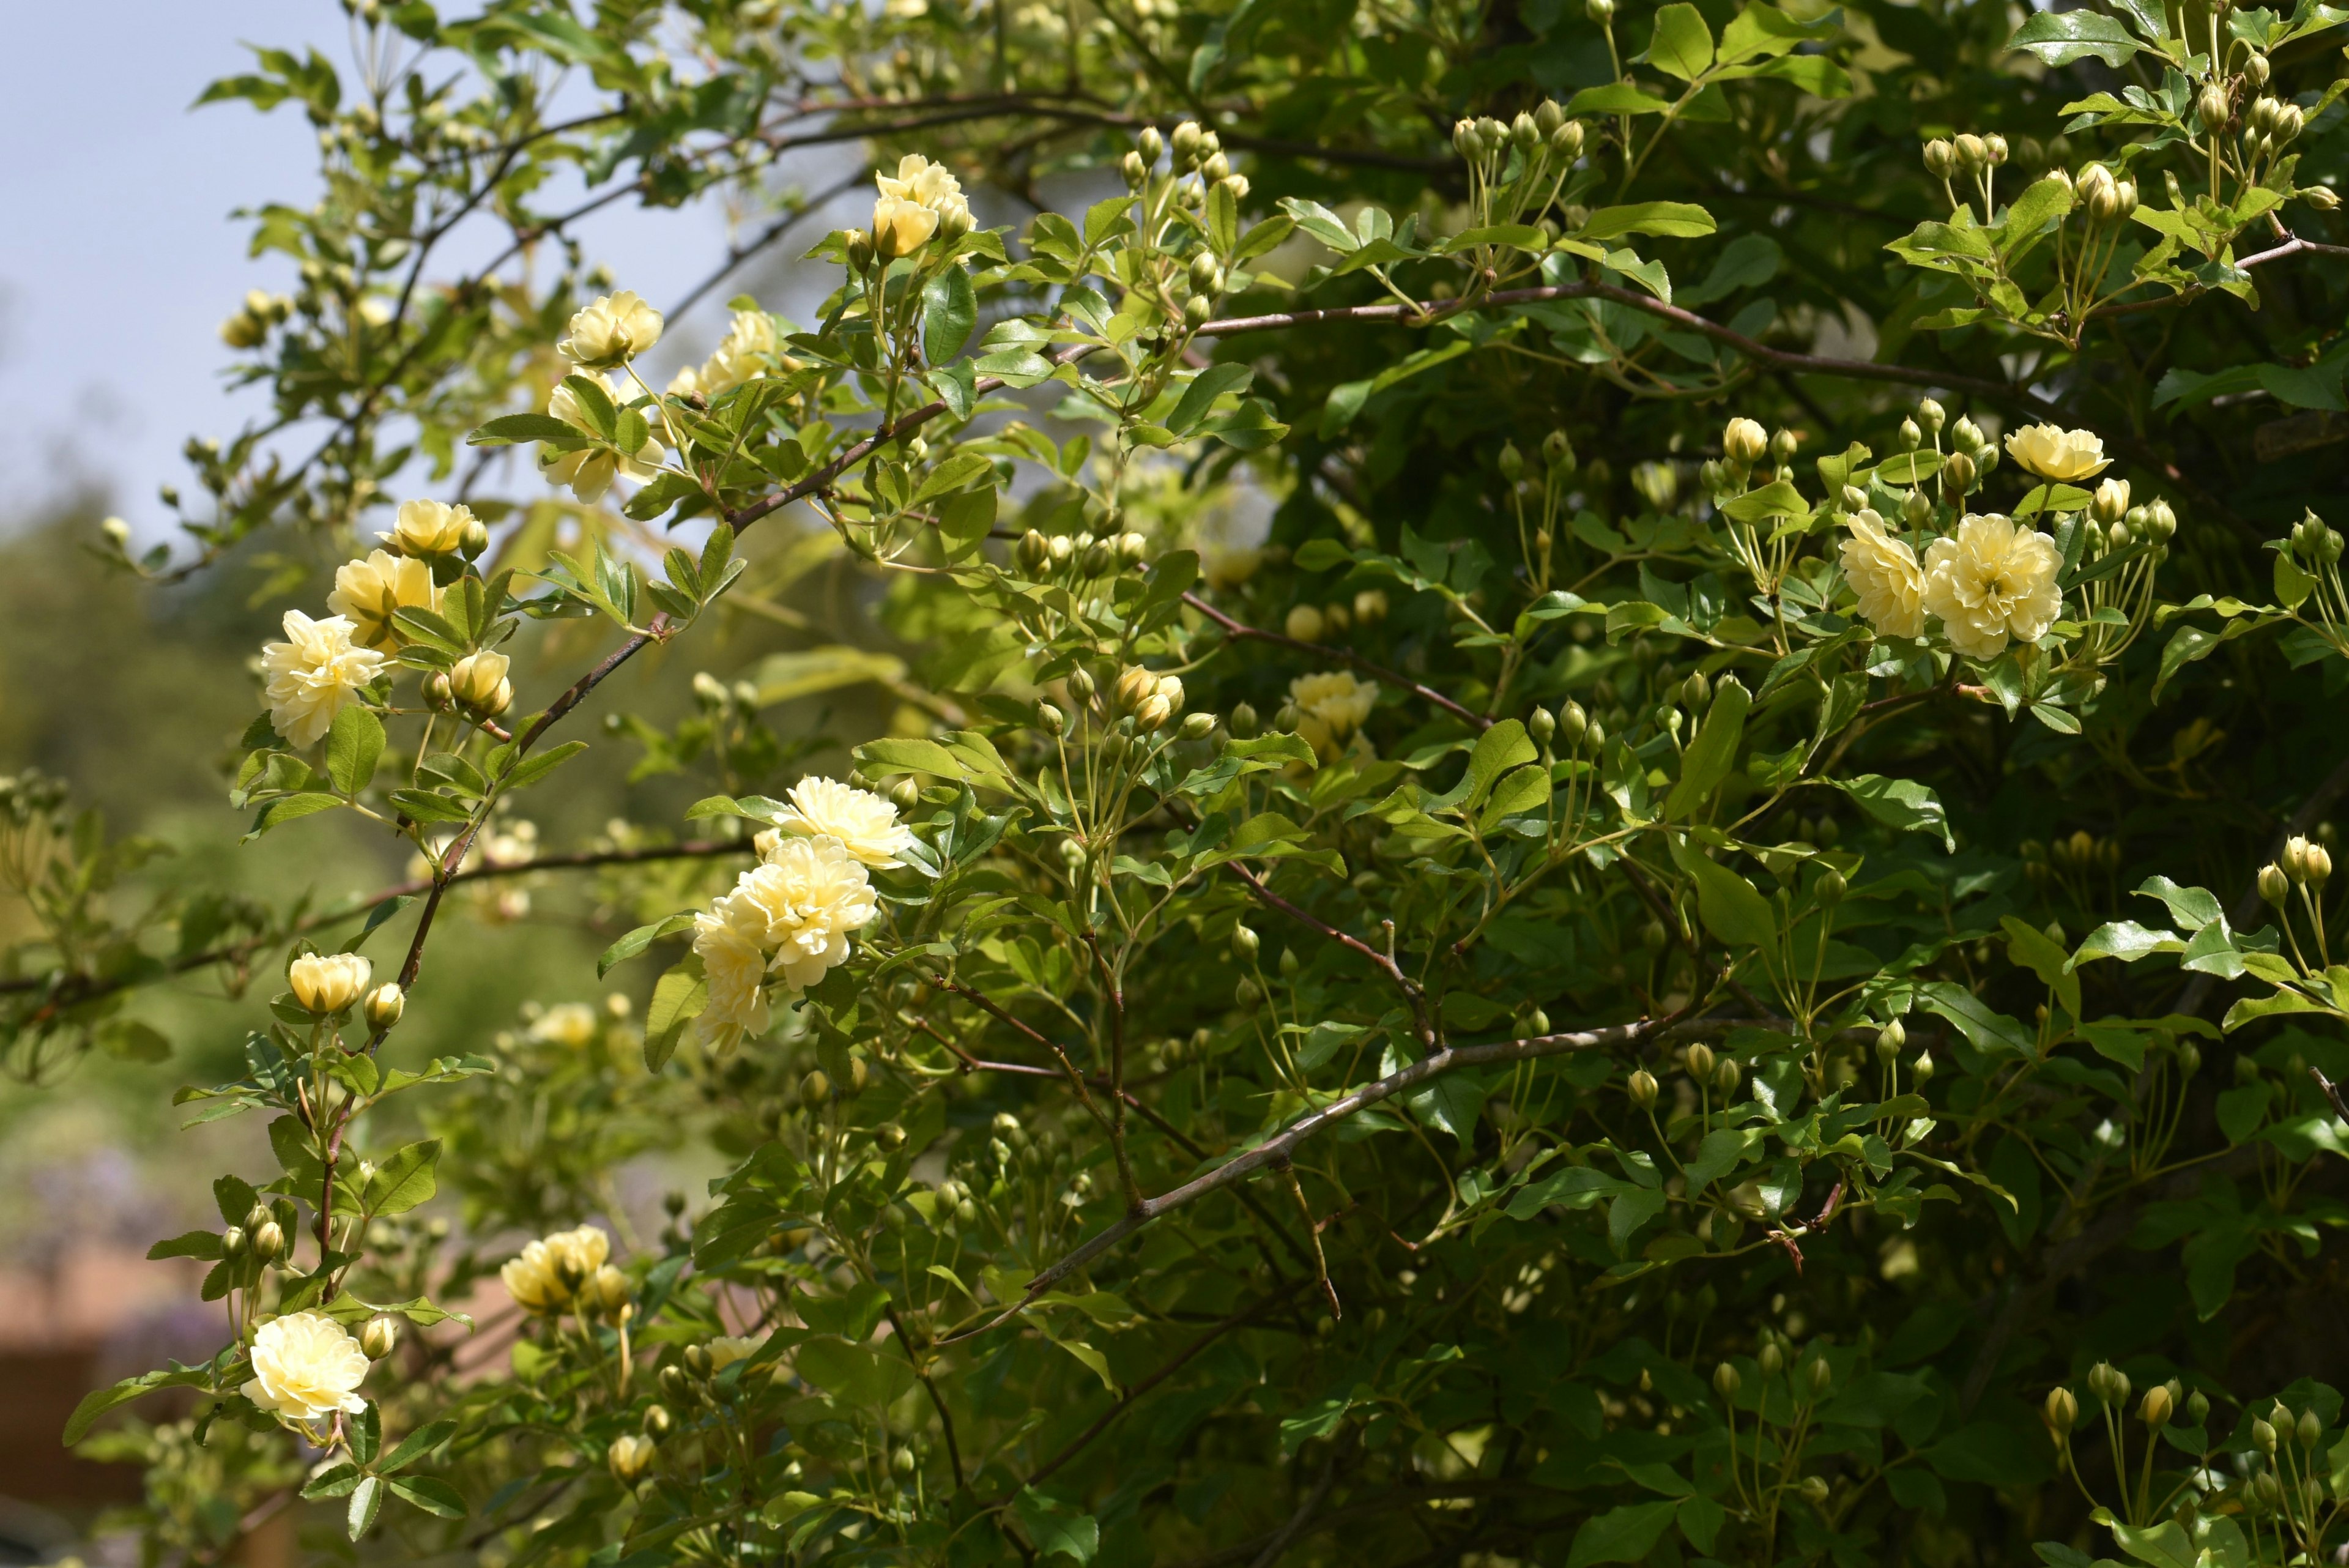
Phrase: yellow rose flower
(2051, 452)
(1330, 706)
(548, 1274)
(734, 966)
(326, 983)
(918, 180)
(312, 674)
(428, 528)
(900, 228)
(865, 825)
(571, 1024)
(612, 331)
(801, 904)
(367, 592)
(1991, 582)
(726, 1350)
(1884, 574)
(306, 1366)
(590, 472)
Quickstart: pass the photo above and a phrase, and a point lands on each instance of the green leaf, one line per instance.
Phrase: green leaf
(1730, 906)
(1625, 1534)
(545, 762)
(1200, 396)
(678, 997)
(1615, 98)
(99, 1402)
(1671, 220)
(354, 745)
(367, 1498)
(1503, 746)
(949, 312)
(515, 427)
(1057, 1530)
(1683, 43)
(407, 1179)
(417, 1444)
(430, 1493)
(640, 939)
(1714, 751)
(2059, 37)
(1902, 804)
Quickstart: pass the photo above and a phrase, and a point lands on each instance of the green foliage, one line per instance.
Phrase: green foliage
(1532, 1013)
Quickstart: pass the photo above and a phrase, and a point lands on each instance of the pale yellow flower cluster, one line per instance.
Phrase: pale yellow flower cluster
(787, 923)
(367, 593)
(749, 350)
(590, 471)
(1991, 582)
(1884, 573)
(921, 199)
(1330, 706)
(571, 1024)
(310, 675)
(428, 528)
(570, 1269)
(612, 331)
(307, 1367)
(865, 825)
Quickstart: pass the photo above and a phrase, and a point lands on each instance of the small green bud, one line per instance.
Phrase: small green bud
(1642, 1089)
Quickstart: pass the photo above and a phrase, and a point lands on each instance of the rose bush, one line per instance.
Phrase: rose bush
(1686, 957)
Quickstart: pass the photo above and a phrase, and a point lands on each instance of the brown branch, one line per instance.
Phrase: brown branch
(1245, 633)
(938, 1400)
(1384, 962)
(1282, 1144)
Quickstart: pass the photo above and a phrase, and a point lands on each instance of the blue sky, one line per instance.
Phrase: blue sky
(120, 257)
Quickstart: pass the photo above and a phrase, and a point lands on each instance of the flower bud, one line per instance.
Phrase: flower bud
(2274, 886)
(1099, 559)
(1958, 473)
(1890, 1039)
(1699, 1059)
(1136, 172)
(1051, 720)
(1510, 462)
(233, 1242)
(1600, 11)
(1244, 724)
(1726, 1381)
(2063, 1411)
(1830, 888)
(1941, 158)
(1814, 1489)
(1642, 1088)
(1769, 1358)
(1911, 437)
(1972, 153)
(2307, 862)
(1304, 624)
(815, 1088)
(2320, 197)
(2154, 1410)
(2198, 1407)
(385, 1003)
(1541, 725)
(1132, 549)
(1821, 1375)
(1186, 144)
(2111, 502)
(268, 1243)
(1726, 1076)
(1215, 168)
(1198, 726)
(380, 1336)
(630, 1456)
(2310, 1428)
(1744, 440)
(1994, 147)
(479, 683)
(1465, 140)
(325, 984)
(2264, 1437)
(1245, 943)
(1923, 1069)
(1573, 722)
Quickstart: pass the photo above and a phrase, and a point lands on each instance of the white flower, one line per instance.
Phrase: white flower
(590, 472)
(428, 528)
(1331, 706)
(1992, 580)
(725, 1350)
(1883, 573)
(865, 824)
(734, 966)
(800, 907)
(569, 1024)
(306, 1366)
(612, 331)
(747, 352)
(312, 674)
(2051, 452)
(367, 593)
(549, 1272)
(326, 983)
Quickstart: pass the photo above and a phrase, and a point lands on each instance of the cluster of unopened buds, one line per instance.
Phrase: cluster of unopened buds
(2304, 863)
(1545, 125)
(1087, 556)
(1745, 446)
(1197, 151)
(2314, 544)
